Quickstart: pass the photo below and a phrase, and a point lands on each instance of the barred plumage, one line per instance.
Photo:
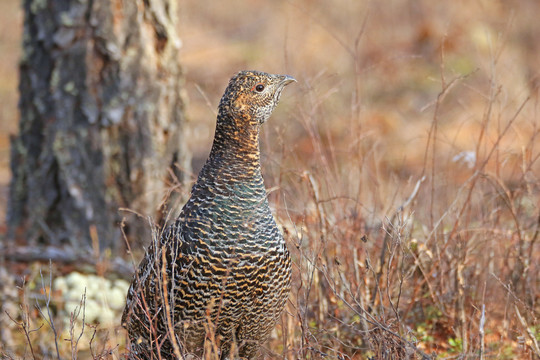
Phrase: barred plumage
(224, 262)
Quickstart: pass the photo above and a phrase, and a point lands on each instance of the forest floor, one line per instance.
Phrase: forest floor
(405, 173)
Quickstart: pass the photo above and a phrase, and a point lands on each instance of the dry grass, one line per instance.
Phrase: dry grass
(404, 170)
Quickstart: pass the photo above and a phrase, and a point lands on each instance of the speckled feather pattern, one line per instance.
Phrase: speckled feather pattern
(224, 260)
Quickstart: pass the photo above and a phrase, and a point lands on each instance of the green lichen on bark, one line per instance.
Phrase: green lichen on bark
(37, 6)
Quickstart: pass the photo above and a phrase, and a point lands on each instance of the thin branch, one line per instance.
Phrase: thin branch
(49, 319)
(66, 255)
(387, 235)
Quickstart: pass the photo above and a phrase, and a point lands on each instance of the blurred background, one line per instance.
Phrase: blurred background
(369, 74)
(435, 102)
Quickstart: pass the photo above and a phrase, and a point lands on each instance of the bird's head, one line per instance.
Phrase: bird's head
(251, 96)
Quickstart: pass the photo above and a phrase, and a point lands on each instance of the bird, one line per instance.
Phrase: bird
(215, 281)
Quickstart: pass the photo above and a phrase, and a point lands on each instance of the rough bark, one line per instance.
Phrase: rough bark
(101, 117)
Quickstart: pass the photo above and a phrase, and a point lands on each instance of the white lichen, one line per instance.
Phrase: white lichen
(100, 300)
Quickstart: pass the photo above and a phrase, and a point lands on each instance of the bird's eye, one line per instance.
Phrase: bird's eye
(259, 87)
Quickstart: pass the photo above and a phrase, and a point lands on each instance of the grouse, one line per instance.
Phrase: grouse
(215, 281)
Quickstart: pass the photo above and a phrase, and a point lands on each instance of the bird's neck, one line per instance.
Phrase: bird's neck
(236, 143)
(234, 162)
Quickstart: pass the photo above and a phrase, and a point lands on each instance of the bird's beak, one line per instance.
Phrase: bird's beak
(286, 80)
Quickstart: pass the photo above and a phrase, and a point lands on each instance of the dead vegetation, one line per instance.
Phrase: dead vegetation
(404, 172)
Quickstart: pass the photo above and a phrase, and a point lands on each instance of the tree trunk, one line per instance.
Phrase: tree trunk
(101, 120)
